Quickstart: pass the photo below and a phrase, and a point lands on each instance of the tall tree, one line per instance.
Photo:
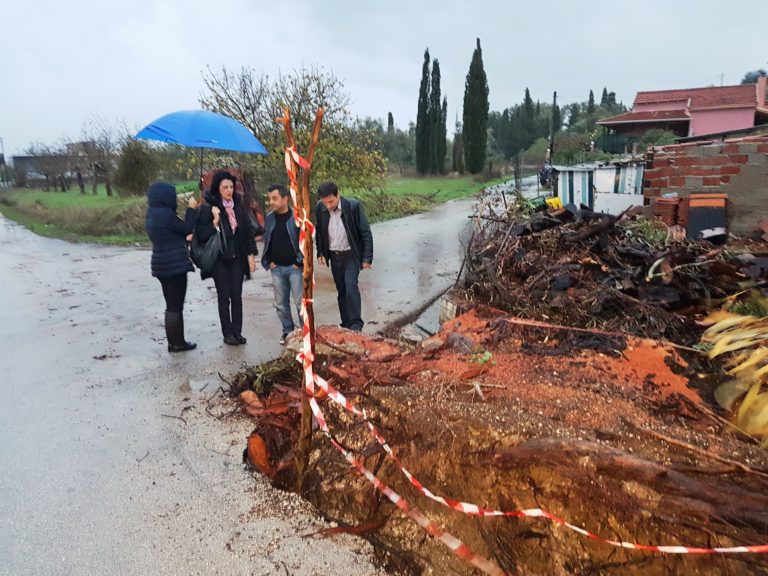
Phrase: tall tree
(441, 142)
(435, 121)
(475, 113)
(528, 134)
(574, 115)
(390, 123)
(604, 97)
(557, 119)
(423, 134)
(591, 103)
(255, 100)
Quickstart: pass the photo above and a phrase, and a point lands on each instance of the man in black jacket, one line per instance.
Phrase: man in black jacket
(345, 241)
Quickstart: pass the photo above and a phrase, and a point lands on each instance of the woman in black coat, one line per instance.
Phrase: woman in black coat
(224, 213)
(170, 257)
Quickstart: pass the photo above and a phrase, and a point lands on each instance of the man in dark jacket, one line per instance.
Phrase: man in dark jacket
(345, 241)
(170, 257)
(282, 257)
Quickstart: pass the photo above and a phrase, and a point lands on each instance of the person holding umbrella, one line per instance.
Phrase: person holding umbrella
(224, 213)
(170, 257)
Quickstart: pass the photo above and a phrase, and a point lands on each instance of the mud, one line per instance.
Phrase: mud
(509, 417)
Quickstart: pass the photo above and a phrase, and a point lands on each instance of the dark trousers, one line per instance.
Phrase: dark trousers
(228, 278)
(345, 269)
(174, 291)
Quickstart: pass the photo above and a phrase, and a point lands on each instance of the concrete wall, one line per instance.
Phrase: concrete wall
(713, 121)
(737, 167)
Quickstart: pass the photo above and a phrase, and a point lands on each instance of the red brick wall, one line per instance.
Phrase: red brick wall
(737, 167)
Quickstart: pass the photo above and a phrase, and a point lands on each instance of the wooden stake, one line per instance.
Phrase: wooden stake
(304, 444)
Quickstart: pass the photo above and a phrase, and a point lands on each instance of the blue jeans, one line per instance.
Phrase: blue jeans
(287, 281)
(346, 269)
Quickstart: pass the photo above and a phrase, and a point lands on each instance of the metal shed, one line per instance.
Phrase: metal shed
(609, 188)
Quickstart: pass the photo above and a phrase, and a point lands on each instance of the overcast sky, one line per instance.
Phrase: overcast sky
(65, 62)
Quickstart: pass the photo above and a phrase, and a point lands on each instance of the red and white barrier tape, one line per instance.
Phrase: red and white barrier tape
(306, 358)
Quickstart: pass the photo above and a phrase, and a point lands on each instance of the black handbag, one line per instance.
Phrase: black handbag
(204, 255)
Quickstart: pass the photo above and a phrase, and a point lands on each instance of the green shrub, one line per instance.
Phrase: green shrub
(137, 168)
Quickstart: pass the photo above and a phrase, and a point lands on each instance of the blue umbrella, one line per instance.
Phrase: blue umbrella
(202, 129)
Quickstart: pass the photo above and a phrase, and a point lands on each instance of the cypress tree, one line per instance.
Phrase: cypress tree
(441, 144)
(390, 123)
(574, 115)
(557, 119)
(591, 103)
(435, 120)
(604, 97)
(528, 123)
(475, 113)
(422, 120)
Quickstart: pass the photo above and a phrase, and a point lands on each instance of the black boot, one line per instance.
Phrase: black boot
(174, 331)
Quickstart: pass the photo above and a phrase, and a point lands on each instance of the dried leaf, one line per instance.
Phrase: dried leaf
(745, 360)
(748, 401)
(718, 316)
(737, 341)
(258, 455)
(728, 393)
(249, 397)
(754, 418)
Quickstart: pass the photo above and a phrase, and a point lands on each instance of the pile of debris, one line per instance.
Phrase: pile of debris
(621, 273)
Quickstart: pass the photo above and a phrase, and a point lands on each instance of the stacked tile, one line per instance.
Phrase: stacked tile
(682, 212)
(665, 209)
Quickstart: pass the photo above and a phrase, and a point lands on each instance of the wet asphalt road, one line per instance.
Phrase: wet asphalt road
(111, 464)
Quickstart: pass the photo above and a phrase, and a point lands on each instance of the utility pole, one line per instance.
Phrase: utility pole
(551, 147)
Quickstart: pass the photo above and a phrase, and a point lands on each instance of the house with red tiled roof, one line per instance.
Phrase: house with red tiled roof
(693, 111)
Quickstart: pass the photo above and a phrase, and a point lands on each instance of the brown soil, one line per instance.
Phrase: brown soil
(508, 416)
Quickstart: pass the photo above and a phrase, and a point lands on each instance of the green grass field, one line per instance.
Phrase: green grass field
(79, 217)
(120, 220)
(439, 188)
(404, 196)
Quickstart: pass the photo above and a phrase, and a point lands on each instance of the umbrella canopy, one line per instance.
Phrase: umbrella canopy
(203, 129)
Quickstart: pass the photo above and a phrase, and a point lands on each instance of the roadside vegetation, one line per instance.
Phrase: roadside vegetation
(94, 189)
(120, 219)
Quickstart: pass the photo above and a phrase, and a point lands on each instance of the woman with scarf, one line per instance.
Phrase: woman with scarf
(224, 213)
